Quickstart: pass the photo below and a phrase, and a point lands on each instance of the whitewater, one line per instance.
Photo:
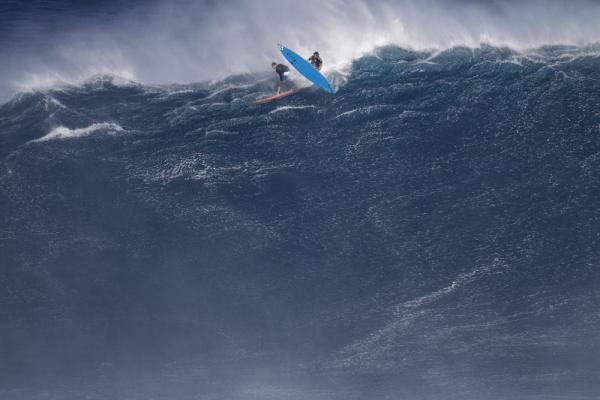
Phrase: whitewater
(429, 231)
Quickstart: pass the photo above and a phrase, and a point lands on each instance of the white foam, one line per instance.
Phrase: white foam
(123, 81)
(364, 110)
(285, 108)
(50, 102)
(63, 132)
(57, 80)
(371, 349)
(159, 50)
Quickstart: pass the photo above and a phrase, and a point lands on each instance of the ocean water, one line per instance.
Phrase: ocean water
(429, 231)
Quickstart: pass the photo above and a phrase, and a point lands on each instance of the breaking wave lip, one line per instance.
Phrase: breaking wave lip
(338, 75)
(63, 132)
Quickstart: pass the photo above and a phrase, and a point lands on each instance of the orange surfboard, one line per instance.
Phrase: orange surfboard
(277, 97)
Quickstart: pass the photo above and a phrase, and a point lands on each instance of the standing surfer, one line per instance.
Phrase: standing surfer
(283, 71)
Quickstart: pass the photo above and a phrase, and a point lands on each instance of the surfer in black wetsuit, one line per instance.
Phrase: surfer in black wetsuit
(283, 72)
(316, 61)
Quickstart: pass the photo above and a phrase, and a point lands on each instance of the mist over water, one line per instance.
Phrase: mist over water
(430, 231)
(185, 41)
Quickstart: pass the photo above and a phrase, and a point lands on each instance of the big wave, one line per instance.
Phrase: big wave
(429, 230)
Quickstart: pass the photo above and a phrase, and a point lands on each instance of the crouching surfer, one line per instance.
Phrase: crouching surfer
(316, 61)
(283, 71)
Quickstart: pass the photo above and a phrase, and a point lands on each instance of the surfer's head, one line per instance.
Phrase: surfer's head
(273, 65)
(316, 53)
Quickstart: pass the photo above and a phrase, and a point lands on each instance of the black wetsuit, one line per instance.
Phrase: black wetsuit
(281, 69)
(316, 61)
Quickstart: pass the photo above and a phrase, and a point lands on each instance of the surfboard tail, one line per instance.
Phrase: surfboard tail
(277, 97)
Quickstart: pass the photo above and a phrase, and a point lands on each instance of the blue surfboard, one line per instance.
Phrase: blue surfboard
(307, 70)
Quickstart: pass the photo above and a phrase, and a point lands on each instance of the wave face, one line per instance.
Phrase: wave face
(430, 231)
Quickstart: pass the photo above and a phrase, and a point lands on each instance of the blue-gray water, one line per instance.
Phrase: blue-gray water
(430, 231)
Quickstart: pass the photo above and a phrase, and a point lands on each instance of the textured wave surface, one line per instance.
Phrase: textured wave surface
(429, 231)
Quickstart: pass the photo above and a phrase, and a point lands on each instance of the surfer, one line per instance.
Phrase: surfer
(316, 61)
(283, 71)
